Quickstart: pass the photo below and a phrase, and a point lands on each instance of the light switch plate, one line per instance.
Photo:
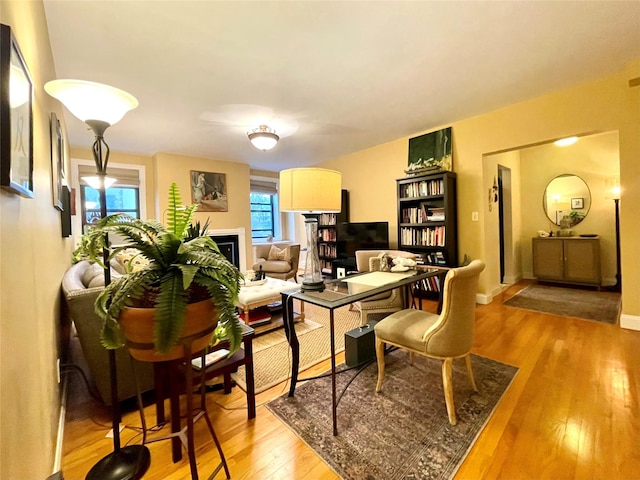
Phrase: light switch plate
(474, 216)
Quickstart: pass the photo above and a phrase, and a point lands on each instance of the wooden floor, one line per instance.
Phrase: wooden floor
(571, 412)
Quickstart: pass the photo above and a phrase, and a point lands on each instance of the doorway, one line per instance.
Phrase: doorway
(505, 222)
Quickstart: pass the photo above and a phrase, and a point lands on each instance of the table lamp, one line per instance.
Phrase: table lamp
(311, 191)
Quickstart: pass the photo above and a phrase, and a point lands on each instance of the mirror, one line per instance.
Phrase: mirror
(566, 200)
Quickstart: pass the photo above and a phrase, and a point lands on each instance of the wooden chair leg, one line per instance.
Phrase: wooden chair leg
(410, 358)
(472, 380)
(380, 359)
(448, 389)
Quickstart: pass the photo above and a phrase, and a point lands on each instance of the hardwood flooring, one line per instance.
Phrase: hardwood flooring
(572, 412)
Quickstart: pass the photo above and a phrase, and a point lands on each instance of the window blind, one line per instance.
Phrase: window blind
(126, 177)
(264, 186)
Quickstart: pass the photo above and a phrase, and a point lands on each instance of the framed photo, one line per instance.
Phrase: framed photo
(57, 162)
(209, 191)
(16, 117)
(431, 152)
(577, 203)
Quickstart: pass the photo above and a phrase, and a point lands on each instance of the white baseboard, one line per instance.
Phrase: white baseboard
(484, 298)
(631, 322)
(511, 279)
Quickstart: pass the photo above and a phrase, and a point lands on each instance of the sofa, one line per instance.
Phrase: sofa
(278, 260)
(81, 285)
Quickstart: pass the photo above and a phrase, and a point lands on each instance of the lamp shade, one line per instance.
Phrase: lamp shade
(263, 138)
(612, 188)
(310, 190)
(92, 101)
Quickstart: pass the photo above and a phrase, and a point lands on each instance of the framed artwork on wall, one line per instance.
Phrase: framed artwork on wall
(430, 153)
(577, 203)
(16, 117)
(209, 191)
(57, 161)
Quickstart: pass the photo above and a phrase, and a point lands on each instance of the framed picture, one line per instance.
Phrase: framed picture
(577, 203)
(16, 117)
(431, 152)
(209, 191)
(57, 161)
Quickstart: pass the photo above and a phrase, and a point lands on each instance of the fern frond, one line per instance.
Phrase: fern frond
(170, 311)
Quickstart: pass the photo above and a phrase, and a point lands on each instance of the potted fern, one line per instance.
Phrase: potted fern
(186, 288)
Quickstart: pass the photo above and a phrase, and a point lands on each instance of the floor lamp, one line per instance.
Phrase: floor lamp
(311, 191)
(101, 106)
(613, 193)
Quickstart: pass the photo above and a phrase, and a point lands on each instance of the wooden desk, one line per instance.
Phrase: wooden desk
(170, 383)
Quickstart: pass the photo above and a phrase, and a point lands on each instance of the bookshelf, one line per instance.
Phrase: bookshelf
(427, 220)
(328, 234)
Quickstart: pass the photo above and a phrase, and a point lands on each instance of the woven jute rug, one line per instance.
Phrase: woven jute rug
(403, 432)
(271, 353)
(569, 302)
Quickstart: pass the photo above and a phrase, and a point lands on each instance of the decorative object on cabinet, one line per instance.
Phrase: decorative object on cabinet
(566, 200)
(209, 191)
(574, 260)
(328, 233)
(613, 193)
(430, 153)
(427, 220)
(16, 117)
(311, 191)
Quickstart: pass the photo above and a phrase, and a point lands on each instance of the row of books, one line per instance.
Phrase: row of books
(327, 219)
(431, 284)
(426, 237)
(431, 258)
(328, 235)
(325, 250)
(422, 214)
(423, 188)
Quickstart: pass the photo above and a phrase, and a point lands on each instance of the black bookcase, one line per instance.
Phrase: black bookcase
(328, 234)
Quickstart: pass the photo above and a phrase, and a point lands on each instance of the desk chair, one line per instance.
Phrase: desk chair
(445, 336)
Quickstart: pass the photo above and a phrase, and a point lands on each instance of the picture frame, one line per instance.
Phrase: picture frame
(57, 162)
(577, 203)
(16, 117)
(430, 153)
(209, 191)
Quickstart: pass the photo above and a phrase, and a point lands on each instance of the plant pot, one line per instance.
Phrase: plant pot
(137, 325)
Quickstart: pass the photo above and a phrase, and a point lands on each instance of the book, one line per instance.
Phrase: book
(210, 358)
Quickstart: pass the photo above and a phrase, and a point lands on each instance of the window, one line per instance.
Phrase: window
(264, 209)
(119, 200)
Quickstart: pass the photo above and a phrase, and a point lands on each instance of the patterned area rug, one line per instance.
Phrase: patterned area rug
(271, 353)
(403, 432)
(569, 302)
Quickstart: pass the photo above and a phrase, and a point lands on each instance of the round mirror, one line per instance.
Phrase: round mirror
(566, 200)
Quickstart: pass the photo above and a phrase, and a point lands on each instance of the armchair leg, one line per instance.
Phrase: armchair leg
(448, 389)
(472, 380)
(410, 357)
(380, 359)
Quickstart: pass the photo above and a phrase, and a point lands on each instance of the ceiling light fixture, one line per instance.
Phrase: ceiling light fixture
(263, 138)
(565, 142)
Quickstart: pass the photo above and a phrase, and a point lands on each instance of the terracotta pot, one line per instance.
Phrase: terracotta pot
(137, 325)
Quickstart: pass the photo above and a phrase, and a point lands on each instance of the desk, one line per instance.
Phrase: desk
(339, 293)
(169, 383)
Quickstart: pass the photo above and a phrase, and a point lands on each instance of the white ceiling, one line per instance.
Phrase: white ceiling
(332, 77)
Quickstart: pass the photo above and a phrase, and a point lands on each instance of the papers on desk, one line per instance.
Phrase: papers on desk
(377, 279)
(210, 358)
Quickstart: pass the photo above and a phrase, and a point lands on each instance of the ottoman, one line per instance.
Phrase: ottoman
(264, 293)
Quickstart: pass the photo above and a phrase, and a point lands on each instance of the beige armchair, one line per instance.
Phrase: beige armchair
(445, 336)
(387, 302)
(278, 260)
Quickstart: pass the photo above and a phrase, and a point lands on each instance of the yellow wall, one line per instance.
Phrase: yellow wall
(608, 104)
(33, 257)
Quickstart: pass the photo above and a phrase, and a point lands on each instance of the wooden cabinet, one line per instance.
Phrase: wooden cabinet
(573, 260)
(328, 234)
(427, 218)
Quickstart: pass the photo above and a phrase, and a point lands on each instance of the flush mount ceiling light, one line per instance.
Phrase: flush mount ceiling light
(565, 142)
(263, 137)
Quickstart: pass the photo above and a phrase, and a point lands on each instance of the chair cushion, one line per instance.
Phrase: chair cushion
(406, 327)
(276, 253)
(273, 266)
(93, 276)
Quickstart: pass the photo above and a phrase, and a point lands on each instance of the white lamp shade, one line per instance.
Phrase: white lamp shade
(612, 188)
(310, 190)
(92, 101)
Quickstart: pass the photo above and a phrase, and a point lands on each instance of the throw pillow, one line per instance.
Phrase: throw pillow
(93, 276)
(278, 254)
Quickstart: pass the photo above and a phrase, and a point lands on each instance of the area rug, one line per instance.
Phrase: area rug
(403, 432)
(272, 356)
(569, 302)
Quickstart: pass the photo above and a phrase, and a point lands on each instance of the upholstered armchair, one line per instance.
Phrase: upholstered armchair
(278, 260)
(445, 336)
(387, 302)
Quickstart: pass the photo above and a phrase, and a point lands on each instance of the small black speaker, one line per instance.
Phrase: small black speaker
(360, 345)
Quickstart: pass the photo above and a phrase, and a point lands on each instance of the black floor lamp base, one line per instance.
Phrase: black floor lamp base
(128, 463)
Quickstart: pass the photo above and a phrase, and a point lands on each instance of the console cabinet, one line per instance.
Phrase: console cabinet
(574, 260)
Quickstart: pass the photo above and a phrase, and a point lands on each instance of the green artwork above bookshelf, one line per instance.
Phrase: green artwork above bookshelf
(430, 153)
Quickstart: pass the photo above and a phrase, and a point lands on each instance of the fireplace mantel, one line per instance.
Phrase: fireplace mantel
(242, 249)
